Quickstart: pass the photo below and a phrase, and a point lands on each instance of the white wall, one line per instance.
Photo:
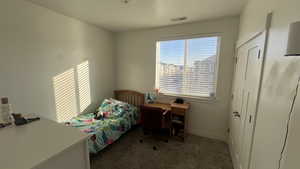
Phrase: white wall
(280, 78)
(36, 44)
(136, 70)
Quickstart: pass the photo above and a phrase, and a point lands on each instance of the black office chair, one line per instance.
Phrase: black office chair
(156, 121)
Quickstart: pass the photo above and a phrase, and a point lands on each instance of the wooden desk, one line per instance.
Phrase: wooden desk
(168, 106)
(178, 116)
(164, 106)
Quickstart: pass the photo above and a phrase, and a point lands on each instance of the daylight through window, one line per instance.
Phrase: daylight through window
(188, 67)
(72, 92)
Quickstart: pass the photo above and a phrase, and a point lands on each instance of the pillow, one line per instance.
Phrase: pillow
(104, 109)
(111, 108)
(120, 108)
(106, 106)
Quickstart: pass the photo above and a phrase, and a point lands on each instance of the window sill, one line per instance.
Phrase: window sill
(190, 98)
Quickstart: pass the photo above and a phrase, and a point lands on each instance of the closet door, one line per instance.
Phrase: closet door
(251, 91)
(245, 100)
(237, 102)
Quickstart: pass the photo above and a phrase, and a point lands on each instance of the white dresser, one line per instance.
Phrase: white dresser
(43, 144)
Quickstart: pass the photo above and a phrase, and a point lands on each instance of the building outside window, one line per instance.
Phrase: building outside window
(188, 67)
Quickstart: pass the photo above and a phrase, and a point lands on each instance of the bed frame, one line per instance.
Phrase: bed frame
(129, 96)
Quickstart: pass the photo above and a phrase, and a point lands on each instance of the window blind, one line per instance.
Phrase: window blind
(187, 66)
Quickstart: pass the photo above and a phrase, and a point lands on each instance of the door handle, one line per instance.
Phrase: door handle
(236, 114)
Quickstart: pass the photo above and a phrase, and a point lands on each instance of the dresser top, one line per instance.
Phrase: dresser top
(24, 147)
(168, 106)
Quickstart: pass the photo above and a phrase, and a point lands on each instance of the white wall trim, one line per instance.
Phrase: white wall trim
(234, 162)
(211, 135)
(189, 36)
(264, 55)
(243, 41)
(265, 33)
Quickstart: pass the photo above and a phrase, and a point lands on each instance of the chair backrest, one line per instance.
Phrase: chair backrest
(152, 117)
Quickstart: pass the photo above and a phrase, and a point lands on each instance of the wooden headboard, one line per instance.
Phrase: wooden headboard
(129, 96)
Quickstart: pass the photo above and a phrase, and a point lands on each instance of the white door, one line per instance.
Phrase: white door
(237, 101)
(245, 98)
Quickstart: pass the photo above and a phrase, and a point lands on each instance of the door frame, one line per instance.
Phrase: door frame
(239, 44)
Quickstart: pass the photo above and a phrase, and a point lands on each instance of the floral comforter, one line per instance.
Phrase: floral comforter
(113, 119)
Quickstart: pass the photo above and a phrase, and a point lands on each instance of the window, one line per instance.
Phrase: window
(187, 67)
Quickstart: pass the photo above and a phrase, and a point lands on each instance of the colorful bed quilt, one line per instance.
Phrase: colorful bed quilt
(113, 119)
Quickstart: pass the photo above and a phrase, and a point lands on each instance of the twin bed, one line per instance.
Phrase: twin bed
(117, 116)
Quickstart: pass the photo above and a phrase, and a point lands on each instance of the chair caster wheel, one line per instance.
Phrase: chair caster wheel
(154, 148)
(141, 141)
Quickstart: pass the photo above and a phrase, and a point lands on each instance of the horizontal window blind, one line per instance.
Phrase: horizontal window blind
(188, 66)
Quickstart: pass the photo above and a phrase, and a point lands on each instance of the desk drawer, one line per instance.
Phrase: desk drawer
(178, 111)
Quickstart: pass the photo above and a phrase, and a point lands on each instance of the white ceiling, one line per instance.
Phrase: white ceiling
(115, 15)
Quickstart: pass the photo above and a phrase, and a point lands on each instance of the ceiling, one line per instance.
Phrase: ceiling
(115, 15)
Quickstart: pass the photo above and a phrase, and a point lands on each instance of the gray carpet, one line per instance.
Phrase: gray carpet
(195, 153)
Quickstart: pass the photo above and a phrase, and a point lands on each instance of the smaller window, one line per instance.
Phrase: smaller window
(188, 67)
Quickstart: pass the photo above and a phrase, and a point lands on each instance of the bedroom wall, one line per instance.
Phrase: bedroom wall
(136, 70)
(37, 44)
(278, 88)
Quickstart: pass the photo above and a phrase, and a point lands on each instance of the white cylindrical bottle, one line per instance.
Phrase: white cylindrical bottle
(6, 110)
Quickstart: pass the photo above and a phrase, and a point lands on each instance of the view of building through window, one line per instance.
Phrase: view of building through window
(188, 67)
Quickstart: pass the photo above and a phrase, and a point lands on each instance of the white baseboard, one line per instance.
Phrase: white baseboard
(217, 136)
(234, 160)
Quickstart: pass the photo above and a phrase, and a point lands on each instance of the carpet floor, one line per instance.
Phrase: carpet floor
(195, 153)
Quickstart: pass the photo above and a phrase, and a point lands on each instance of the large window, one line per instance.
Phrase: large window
(188, 67)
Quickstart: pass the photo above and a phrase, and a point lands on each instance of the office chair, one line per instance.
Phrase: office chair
(156, 121)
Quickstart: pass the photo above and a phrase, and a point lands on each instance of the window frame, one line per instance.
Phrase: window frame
(187, 37)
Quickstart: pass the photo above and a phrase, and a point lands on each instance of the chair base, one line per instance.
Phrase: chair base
(156, 134)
